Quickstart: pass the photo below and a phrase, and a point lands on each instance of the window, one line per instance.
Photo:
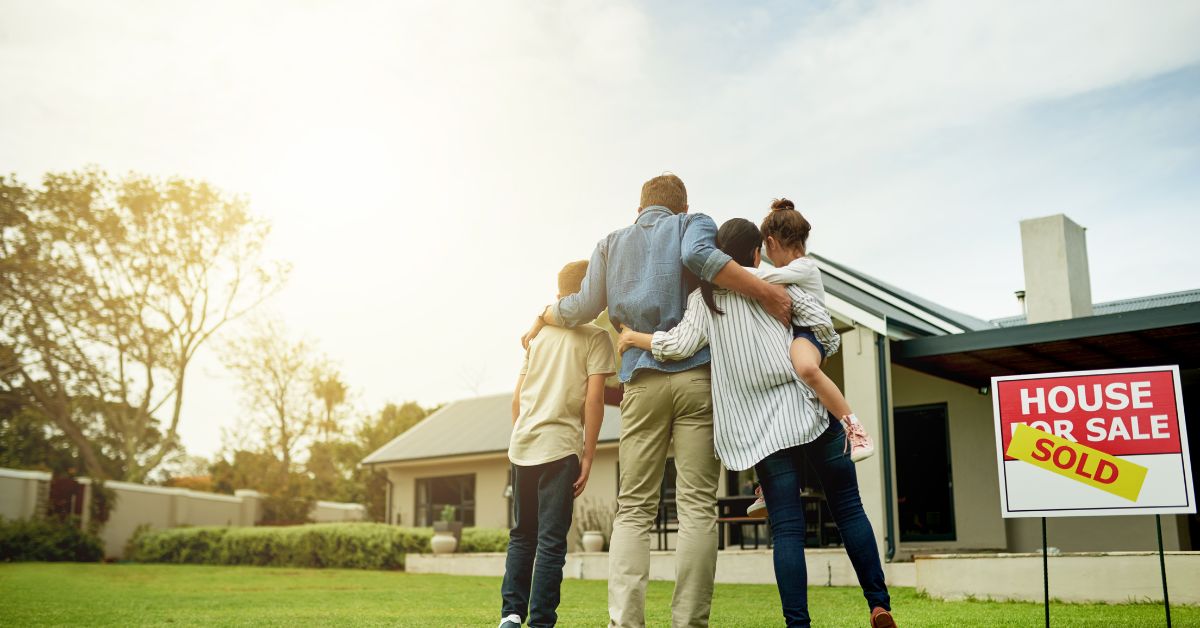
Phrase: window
(434, 494)
(924, 484)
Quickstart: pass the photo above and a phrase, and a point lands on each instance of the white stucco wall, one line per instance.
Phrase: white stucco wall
(1095, 534)
(335, 512)
(19, 492)
(976, 491)
(978, 522)
(491, 478)
(856, 370)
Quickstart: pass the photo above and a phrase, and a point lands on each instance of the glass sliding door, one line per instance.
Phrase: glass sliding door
(434, 494)
(924, 482)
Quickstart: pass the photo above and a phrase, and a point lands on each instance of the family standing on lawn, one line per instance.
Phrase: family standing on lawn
(717, 354)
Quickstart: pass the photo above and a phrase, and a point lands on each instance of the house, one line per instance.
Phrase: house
(918, 376)
(458, 456)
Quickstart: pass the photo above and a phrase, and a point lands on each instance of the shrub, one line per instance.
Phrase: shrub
(483, 540)
(340, 545)
(343, 545)
(48, 540)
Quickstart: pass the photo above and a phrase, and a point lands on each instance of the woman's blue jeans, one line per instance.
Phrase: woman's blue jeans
(779, 475)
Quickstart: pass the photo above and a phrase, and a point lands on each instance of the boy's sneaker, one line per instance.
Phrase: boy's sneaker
(514, 621)
(759, 508)
(857, 441)
(880, 618)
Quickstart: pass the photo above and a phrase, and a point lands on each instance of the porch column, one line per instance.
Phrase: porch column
(85, 513)
(861, 375)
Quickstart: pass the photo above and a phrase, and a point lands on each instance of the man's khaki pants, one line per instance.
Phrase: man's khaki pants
(660, 409)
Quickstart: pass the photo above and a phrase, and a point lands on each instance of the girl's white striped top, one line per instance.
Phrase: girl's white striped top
(760, 406)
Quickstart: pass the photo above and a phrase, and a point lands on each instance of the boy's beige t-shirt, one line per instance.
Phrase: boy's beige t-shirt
(556, 369)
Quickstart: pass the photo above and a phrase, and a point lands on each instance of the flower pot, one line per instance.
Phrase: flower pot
(443, 543)
(593, 541)
(454, 528)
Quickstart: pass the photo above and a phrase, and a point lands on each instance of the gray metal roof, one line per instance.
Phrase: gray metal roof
(1123, 305)
(1146, 337)
(471, 426)
(901, 308)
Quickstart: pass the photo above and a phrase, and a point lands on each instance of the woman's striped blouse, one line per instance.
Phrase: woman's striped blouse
(760, 406)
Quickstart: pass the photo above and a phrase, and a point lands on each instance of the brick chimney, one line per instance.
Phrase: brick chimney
(1057, 283)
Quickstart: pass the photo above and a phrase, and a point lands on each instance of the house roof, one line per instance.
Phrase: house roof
(1153, 336)
(907, 315)
(1117, 307)
(481, 425)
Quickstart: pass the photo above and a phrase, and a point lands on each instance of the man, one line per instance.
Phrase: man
(640, 273)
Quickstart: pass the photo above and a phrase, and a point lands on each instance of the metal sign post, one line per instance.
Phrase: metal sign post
(1046, 574)
(1162, 564)
(1093, 443)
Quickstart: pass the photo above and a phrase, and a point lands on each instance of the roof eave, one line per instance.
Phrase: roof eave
(1085, 327)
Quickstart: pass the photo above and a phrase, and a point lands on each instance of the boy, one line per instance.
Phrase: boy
(557, 410)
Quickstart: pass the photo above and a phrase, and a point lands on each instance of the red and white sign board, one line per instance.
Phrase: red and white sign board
(1090, 443)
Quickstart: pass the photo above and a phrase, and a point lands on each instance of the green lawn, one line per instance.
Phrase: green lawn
(40, 594)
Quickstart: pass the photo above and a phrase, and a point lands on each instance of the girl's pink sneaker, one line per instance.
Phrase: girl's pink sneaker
(857, 441)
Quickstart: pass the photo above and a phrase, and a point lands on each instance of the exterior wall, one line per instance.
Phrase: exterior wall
(491, 476)
(1094, 534)
(859, 380)
(200, 509)
(976, 488)
(1116, 578)
(161, 507)
(491, 479)
(336, 512)
(19, 492)
(978, 524)
(827, 567)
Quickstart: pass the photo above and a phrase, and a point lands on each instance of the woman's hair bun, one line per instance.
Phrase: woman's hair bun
(781, 204)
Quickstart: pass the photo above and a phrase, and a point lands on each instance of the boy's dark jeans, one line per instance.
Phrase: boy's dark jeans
(779, 476)
(543, 500)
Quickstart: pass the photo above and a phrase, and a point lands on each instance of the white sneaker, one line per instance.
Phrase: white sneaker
(857, 441)
(759, 508)
(512, 621)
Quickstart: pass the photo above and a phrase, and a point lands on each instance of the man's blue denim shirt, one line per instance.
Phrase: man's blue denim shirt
(638, 274)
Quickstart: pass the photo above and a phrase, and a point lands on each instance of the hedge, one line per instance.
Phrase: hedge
(47, 540)
(341, 545)
(478, 540)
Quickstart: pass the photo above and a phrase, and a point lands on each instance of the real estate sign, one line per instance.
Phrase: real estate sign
(1085, 443)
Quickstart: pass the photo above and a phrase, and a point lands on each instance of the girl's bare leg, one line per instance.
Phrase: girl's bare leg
(806, 359)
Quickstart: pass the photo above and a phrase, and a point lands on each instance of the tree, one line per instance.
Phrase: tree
(334, 466)
(241, 468)
(275, 375)
(328, 387)
(108, 288)
(29, 441)
(392, 421)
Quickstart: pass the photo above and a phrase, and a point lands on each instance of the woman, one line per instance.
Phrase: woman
(765, 417)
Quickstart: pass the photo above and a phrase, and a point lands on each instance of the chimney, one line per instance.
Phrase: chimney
(1057, 284)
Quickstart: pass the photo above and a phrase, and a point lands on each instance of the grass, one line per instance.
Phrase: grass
(42, 594)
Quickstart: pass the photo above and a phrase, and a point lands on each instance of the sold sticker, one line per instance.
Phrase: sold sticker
(1077, 462)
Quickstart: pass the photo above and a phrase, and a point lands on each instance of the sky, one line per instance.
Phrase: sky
(428, 167)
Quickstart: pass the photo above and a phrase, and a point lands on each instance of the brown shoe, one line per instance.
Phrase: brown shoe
(880, 618)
